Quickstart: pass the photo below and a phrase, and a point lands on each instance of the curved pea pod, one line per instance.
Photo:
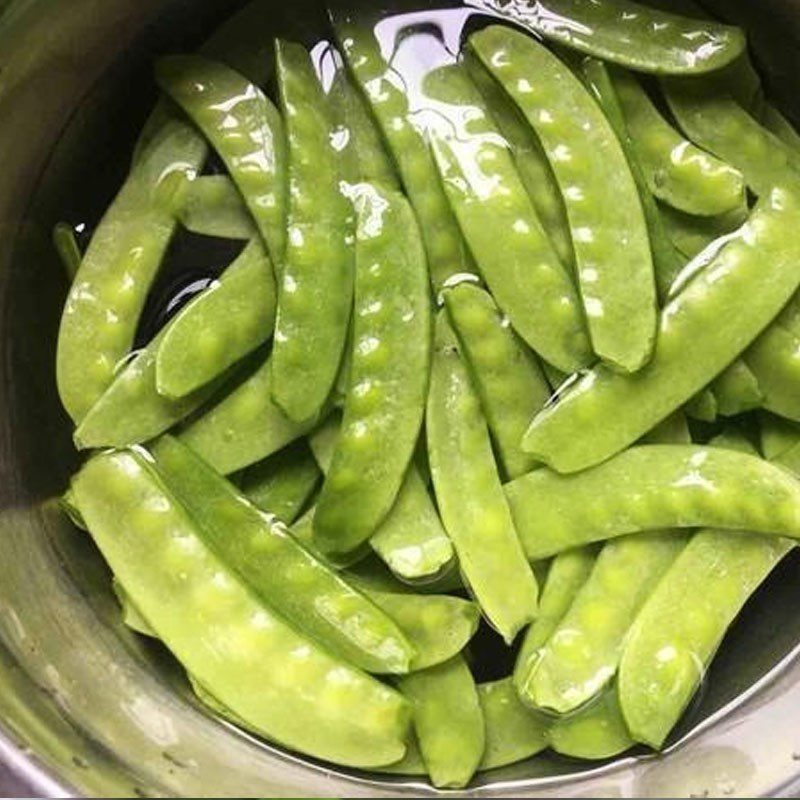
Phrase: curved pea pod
(227, 321)
(316, 289)
(691, 234)
(652, 487)
(530, 160)
(603, 412)
(737, 390)
(278, 682)
(682, 624)
(389, 372)
(507, 375)
(471, 501)
(66, 246)
(612, 248)
(108, 292)
(286, 576)
(245, 130)
(448, 721)
(626, 33)
(445, 248)
(244, 426)
(678, 172)
(283, 483)
(212, 206)
(774, 359)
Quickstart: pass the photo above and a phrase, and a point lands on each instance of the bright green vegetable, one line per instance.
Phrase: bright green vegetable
(737, 389)
(778, 435)
(702, 406)
(212, 206)
(691, 234)
(774, 360)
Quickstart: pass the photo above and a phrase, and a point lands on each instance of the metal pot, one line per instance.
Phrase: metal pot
(86, 708)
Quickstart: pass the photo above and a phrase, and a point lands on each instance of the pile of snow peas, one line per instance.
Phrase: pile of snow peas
(512, 340)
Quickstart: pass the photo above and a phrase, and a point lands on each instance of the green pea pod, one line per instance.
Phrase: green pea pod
(532, 165)
(677, 171)
(245, 130)
(131, 616)
(506, 374)
(612, 248)
(774, 360)
(526, 277)
(389, 371)
(282, 484)
(230, 319)
(316, 288)
(108, 293)
(448, 721)
(67, 248)
(737, 390)
(673, 430)
(278, 682)
(626, 33)
(778, 435)
(789, 318)
(212, 206)
(777, 124)
(244, 426)
(691, 234)
(446, 251)
(703, 406)
(604, 412)
(649, 488)
(471, 502)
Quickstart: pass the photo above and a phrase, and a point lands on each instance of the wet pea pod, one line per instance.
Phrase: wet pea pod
(281, 684)
(603, 412)
(626, 33)
(245, 130)
(286, 576)
(506, 374)
(230, 319)
(612, 248)
(652, 487)
(389, 371)
(448, 721)
(108, 292)
(211, 205)
(678, 172)
(316, 288)
(470, 497)
(526, 277)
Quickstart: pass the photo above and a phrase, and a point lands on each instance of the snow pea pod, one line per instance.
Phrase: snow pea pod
(652, 487)
(775, 122)
(678, 172)
(569, 436)
(626, 33)
(245, 130)
(212, 206)
(692, 234)
(316, 289)
(506, 374)
(278, 682)
(448, 721)
(109, 290)
(219, 327)
(286, 576)
(774, 359)
(778, 435)
(612, 249)
(471, 501)
(385, 403)
(703, 406)
(737, 389)
(283, 483)
(67, 248)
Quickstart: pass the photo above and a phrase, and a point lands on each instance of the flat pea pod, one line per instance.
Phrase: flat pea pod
(131, 616)
(316, 289)
(471, 501)
(245, 425)
(230, 319)
(448, 721)
(650, 487)
(67, 248)
(506, 374)
(245, 130)
(774, 359)
(673, 430)
(385, 402)
(211, 205)
(737, 390)
(278, 682)
(286, 576)
(603, 412)
(612, 248)
(692, 234)
(109, 290)
(526, 277)
(789, 318)
(626, 33)
(444, 246)
(678, 172)
(283, 483)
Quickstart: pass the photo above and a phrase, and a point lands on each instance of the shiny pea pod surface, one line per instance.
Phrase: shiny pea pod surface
(612, 249)
(604, 412)
(278, 682)
(385, 402)
(651, 487)
(691, 234)
(211, 205)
